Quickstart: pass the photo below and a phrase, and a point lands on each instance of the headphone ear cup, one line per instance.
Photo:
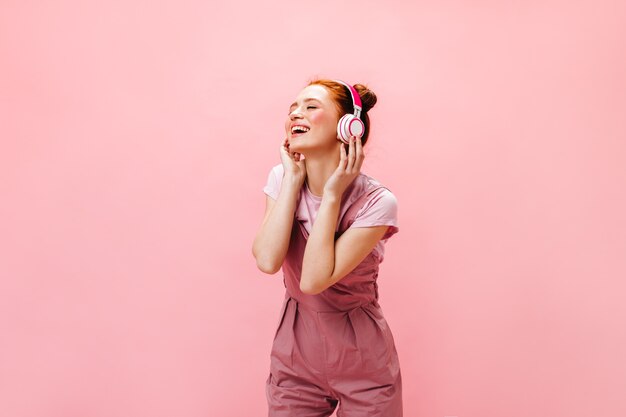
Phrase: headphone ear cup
(357, 127)
(349, 125)
(342, 134)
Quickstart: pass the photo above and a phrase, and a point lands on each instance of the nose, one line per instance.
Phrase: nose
(295, 113)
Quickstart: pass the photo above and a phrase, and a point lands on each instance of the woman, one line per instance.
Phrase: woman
(326, 224)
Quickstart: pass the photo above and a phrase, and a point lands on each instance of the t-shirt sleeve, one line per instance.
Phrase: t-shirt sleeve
(274, 179)
(380, 210)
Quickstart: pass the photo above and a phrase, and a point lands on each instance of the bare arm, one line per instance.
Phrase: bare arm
(319, 255)
(272, 239)
(325, 261)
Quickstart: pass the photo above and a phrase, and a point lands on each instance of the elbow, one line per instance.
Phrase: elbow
(310, 288)
(264, 263)
(267, 266)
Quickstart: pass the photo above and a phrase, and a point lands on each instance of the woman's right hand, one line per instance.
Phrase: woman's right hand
(293, 163)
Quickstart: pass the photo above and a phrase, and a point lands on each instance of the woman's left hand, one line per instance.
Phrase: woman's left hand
(348, 169)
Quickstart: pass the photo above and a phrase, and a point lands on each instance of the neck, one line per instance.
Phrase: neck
(320, 167)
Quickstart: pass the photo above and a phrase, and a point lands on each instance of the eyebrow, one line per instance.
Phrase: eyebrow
(306, 99)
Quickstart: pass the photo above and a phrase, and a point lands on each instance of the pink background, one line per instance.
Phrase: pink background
(136, 137)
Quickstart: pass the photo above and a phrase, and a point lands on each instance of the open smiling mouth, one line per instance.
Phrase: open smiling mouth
(297, 131)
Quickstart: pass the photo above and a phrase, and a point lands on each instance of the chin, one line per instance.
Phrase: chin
(295, 144)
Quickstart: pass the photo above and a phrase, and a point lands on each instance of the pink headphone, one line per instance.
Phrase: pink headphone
(351, 124)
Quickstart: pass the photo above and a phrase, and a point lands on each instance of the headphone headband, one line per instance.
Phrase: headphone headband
(356, 99)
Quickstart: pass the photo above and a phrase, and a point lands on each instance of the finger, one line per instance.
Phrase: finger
(360, 155)
(342, 157)
(350, 155)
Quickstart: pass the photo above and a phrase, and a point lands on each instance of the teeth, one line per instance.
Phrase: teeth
(299, 129)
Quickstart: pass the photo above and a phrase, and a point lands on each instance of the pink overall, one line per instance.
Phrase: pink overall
(335, 347)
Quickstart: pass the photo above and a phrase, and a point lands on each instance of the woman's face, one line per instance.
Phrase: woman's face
(315, 111)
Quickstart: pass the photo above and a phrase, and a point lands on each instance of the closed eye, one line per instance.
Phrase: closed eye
(309, 107)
